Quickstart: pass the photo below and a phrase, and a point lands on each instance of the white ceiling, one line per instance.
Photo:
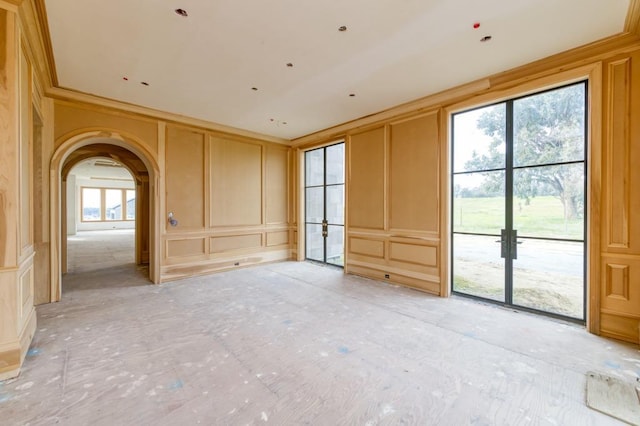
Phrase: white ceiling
(394, 51)
(101, 168)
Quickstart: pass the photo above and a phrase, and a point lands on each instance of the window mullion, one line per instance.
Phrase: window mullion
(103, 203)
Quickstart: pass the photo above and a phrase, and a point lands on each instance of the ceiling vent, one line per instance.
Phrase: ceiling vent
(106, 163)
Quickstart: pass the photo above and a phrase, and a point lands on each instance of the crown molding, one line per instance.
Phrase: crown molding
(42, 21)
(15, 3)
(10, 5)
(632, 23)
(37, 42)
(110, 104)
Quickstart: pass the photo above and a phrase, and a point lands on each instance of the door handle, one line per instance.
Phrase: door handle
(514, 244)
(503, 243)
(325, 228)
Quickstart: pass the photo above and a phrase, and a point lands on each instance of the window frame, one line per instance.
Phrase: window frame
(103, 206)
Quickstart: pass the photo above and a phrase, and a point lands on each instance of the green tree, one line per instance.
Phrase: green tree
(547, 128)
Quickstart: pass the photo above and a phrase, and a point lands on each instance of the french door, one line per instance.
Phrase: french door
(519, 201)
(324, 204)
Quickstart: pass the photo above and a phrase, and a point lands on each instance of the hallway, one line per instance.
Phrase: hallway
(95, 250)
(102, 259)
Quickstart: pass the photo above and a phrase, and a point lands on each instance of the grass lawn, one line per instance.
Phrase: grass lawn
(543, 217)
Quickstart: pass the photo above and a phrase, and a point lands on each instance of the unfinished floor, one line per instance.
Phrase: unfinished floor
(298, 343)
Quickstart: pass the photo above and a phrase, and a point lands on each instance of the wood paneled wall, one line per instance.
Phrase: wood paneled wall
(229, 194)
(17, 313)
(393, 208)
(230, 197)
(620, 226)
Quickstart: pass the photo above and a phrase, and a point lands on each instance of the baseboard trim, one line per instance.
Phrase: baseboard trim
(12, 354)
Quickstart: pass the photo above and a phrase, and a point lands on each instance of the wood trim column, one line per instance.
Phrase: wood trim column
(17, 316)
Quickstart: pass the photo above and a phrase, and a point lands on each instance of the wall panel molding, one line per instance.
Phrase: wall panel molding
(617, 281)
(367, 247)
(414, 174)
(618, 152)
(236, 183)
(366, 179)
(185, 247)
(277, 238)
(417, 254)
(224, 244)
(184, 176)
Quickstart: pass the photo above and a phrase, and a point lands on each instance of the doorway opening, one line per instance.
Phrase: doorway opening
(519, 174)
(106, 204)
(101, 213)
(324, 204)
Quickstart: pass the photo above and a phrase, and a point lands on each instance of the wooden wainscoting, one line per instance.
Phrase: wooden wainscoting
(393, 207)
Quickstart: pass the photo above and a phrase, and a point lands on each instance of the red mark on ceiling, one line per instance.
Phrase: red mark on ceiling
(476, 25)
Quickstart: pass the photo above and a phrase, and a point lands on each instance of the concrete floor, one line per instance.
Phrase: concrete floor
(298, 343)
(95, 250)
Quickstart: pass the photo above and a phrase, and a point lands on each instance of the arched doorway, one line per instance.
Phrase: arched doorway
(99, 202)
(133, 155)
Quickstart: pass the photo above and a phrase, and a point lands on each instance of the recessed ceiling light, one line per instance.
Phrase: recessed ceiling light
(352, 94)
(144, 83)
(342, 28)
(254, 88)
(125, 78)
(485, 39)
(181, 12)
(289, 64)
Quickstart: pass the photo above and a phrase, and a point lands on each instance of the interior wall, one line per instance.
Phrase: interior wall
(17, 246)
(393, 226)
(398, 180)
(619, 223)
(228, 194)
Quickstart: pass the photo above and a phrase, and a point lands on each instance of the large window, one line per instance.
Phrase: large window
(108, 204)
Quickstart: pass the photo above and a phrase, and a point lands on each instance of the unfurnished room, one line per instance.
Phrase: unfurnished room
(419, 212)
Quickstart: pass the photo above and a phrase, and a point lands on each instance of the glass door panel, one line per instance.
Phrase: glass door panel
(479, 144)
(314, 167)
(315, 242)
(479, 269)
(549, 127)
(324, 204)
(479, 203)
(549, 201)
(335, 245)
(314, 200)
(549, 276)
(478, 208)
(335, 164)
(335, 204)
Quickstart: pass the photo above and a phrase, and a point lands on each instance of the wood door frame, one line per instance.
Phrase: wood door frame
(592, 73)
(508, 230)
(67, 144)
